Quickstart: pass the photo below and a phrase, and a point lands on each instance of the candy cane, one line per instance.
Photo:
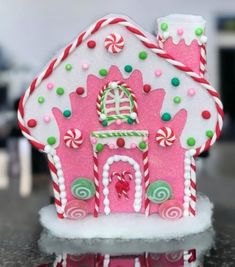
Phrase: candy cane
(193, 188)
(146, 181)
(202, 59)
(96, 181)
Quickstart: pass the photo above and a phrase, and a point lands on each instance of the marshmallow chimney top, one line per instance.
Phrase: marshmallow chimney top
(186, 27)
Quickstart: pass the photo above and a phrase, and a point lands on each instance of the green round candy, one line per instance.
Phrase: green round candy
(99, 147)
(142, 145)
(177, 99)
(209, 133)
(159, 191)
(60, 91)
(105, 123)
(143, 55)
(199, 31)
(68, 67)
(166, 116)
(51, 140)
(67, 113)
(191, 141)
(130, 120)
(103, 72)
(175, 81)
(83, 188)
(164, 26)
(41, 99)
(128, 68)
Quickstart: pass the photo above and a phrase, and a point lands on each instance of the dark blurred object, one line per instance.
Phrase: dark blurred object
(226, 24)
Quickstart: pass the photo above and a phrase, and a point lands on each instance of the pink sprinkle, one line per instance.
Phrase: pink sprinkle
(158, 73)
(93, 140)
(145, 138)
(118, 122)
(191, 92)
(180, 32)
(85, 66)
(111, 146)
(50, 86)
(133, 145)
(47, 118)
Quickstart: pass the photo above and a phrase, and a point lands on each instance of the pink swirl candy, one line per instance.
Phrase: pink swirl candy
(73, 138)
(114, 43)
(76, 209)
(171, 210)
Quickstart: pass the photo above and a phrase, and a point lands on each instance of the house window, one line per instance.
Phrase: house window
(116, 102)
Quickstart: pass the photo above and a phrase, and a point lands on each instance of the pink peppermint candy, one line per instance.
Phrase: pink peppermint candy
(114, 43)
(73, 138)
(165, 137)
(76, 209)
(171, 210)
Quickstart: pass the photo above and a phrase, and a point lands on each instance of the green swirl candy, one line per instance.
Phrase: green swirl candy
(159, 191)
(83, 188)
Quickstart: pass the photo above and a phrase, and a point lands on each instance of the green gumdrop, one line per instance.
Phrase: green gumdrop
(166, 116)
(142, 145)
(51, 140)
(99, 147)
(60, 91)
(143, 55)
(128, 68)
(83, 188)
(164, 26)
(209, 133)
(191, 141)
(103, 72)
(159, 191)
(67, 113)
(175, 81)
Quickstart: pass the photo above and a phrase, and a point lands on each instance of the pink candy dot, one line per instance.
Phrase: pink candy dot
(50, 86)
(133, 145)
(111, 146)
(118, 122)
(47, 119)
(158, 73)
(191, 92)
(93, 140)
(180, 32)
(85, 66)
(145, 138)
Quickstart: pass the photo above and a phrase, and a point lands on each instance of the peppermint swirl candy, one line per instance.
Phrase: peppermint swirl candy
(159, 191)
(165, 137)
(171, 210)
(73, 138)
(114, 43)
(83, 188)
(75, 209)
(174, 256)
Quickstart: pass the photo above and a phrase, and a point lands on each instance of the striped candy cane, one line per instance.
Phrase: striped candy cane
(146, 181)
(193, 188)
(96, 181)
(202, 59)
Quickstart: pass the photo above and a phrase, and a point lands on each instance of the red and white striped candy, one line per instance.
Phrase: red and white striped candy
(73, 138)
(165, 137)
(114, 43)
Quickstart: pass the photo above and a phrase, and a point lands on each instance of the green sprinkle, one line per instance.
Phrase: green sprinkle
(142, 145)
(99, 147)
(166, 116)
(105, 123)
(175, 81)
(128, 68)
(177, 99)
(191, 141)
(41, 99)
(67, 113)
(103, 72)
(68, 67)
(130, 120)
(51, 140)
(199, 31)
(143, 55)
(209, 133)
(164, 26)
(60, 91)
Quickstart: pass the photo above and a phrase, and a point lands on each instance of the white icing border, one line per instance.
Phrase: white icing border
(138, 180)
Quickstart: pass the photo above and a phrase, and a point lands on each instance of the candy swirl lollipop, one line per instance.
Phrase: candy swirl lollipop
(83, 188)
(159, 191)
(76, 209)
(171, 210)
(114, 43)
(73, 138)
(165, 137)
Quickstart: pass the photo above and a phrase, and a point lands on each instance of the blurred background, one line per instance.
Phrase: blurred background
(32, 31)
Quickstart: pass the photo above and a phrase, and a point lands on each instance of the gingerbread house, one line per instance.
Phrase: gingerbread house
(122, 114)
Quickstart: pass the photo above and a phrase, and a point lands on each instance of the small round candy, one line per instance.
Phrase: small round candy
(103, 72)
(50, 86)
(191, 92)
(85, 66)
(171, 210)
(128, 68)
(199, 31)
(120, 142)
(165, 137)
(73, 138)
(114, 43)
(32, 123)
(159, 191)
(99, 147)
(60, 91)
(76, 209)
(46, 118)
(130, 120)
(209, 133)
(91, 44)
(143, 55)
(177, 99)
(142, 145)
(175, 81)
(68, 67)
(41, 100)
(147, 88)
(67, 113)
(158, 73)
(83, 188)
(191, 141)
(206, 114)
(80, 90)
(164, 26)
(51, 140)
(180, 32)
(166, 116)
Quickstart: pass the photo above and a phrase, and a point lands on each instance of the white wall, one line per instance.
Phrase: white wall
(32, 31)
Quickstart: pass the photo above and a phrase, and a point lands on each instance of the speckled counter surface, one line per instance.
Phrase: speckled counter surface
(20, 229)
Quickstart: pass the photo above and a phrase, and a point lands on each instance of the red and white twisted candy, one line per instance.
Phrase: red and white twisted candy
(114, 43)
(165, 137)
(171, 210)
(76, 209)
(73, 138)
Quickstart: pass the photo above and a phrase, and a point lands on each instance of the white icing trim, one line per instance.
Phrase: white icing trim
(137, 262)
(138, 180)
(106, 260)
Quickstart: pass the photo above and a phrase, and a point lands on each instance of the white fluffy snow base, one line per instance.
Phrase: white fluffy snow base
(128, 226)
